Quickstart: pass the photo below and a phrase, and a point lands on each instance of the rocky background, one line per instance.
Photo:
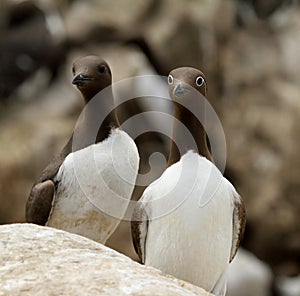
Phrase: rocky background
(249, 51)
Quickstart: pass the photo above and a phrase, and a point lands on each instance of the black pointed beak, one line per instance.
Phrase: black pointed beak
(180, 90)
(80, 80)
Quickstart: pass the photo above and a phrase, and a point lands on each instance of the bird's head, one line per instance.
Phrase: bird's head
(182, 82)
(91, 74)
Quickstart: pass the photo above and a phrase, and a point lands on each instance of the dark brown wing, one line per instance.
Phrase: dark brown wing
(39, 202)
(239, 223)
(51, 170)
(139, 228)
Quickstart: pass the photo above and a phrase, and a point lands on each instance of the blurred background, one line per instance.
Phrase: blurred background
(250, 53)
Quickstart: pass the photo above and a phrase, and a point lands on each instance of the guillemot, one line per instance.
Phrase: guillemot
(84, 180)
(190, 221)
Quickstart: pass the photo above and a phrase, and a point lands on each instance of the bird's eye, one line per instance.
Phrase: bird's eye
(199, 81)
(101, 68)
(170, 79)
(73, 70)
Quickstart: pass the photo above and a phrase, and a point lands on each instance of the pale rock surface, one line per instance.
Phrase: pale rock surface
(37, 260)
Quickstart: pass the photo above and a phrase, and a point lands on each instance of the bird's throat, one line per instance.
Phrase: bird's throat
(188, 134)
(96, 122)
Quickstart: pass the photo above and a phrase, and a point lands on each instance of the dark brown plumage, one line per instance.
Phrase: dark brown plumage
(39, 202)
(183, 88)
(239, 223)
(91, 75)
(187, 84)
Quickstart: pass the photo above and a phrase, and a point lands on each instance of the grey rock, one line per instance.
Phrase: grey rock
(39, 260)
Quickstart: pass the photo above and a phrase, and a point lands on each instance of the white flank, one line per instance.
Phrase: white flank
(193, 241)
(95, 185)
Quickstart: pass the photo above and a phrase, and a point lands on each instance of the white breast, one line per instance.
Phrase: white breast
(94, 187)
(193, 241)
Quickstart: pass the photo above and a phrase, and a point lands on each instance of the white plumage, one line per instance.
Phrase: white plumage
(94, 186)
(189, 232)
(190, 221)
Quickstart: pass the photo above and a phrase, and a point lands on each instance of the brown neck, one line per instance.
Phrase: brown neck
(98, 119)
(195, 139)
(110, 122)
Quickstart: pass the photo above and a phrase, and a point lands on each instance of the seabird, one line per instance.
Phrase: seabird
(190, 221)
(87, 177)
